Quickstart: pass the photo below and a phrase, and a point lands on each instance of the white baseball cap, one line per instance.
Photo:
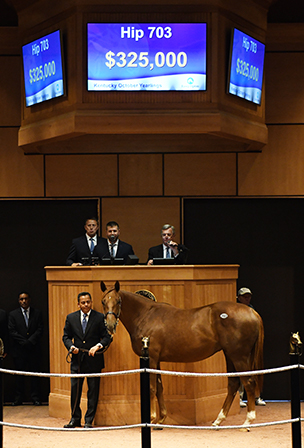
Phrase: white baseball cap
(243, 291)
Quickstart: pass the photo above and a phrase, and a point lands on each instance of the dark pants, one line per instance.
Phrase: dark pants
(92, 396)
(28, 363)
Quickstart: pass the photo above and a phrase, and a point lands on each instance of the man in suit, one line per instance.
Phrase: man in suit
(113, 247)
(25, 327)
(84, 248)
(169, 248)
(84, 336)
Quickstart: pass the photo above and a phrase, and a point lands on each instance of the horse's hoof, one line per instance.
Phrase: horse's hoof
(157, 428)
(245, 429)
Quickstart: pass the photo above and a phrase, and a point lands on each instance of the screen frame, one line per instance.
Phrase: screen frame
(162, 91)
(62, 60)
(231, 48)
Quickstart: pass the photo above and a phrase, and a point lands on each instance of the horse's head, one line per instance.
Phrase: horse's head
(111, 302)
(295, 344)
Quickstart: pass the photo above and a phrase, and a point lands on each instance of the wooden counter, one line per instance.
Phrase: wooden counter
(190, 401)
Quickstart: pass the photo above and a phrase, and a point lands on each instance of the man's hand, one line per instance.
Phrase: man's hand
(76, 264)
(74, 350)
(94, 349)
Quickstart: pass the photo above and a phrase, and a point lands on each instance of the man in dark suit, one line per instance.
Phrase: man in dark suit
(113, 247)
(178, 253)
(84, 336)
(84, 248)
(25, 327)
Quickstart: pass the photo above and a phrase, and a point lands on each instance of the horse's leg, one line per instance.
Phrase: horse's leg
(250, 386)
(153, 389)
(233, 386)
(160, 399)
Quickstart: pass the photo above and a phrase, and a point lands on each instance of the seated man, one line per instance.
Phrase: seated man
(168, 248)
(83, 248)
(113, 247)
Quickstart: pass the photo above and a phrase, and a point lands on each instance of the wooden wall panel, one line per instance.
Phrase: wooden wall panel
(20, 175)
(200, 174)
(81, 175)
(141, 219)
(141, 175)
(10, 91)
(284, 87)
(278, 169)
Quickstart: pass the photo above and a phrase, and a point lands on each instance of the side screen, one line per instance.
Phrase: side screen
(246, 67)
(43, 69)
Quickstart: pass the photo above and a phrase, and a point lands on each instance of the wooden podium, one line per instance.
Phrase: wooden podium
(190, 401)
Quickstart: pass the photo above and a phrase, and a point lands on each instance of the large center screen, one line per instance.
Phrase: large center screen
(246, 67)
(146, 56)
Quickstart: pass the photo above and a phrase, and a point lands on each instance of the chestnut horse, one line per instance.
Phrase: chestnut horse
(189, 335)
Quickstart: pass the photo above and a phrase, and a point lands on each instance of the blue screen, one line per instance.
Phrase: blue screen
(42, 67)
(246, 68)
(146, 56)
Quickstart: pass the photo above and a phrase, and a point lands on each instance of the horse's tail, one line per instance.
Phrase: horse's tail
(257, 356)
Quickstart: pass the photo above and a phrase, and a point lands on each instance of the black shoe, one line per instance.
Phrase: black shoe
(88, 425)
(37, 403)
(73, 424)
(17, 403)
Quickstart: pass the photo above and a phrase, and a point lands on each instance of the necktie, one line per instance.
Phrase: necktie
(168, 255)
(92, 245)
(84, 323)
(25, 317)
(112, 250)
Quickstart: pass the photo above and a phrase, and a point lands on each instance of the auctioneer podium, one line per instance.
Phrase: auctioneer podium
(190, 401)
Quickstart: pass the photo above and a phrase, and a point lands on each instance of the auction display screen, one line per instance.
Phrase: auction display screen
(42, 68)
(146, 56)
(246, 67)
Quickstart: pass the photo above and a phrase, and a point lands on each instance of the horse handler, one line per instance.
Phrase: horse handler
(86, 338)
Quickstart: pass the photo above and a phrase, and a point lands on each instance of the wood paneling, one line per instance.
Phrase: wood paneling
(200, 174)
(81, 175)
(278, 170)
(140, 175)
(20, 175)
(284, 87)
(10, 92)
(189, 400)
(141, 219)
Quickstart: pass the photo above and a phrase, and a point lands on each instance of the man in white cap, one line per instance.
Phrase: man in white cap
(244, 296)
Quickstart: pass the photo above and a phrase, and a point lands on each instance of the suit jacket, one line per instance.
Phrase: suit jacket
(95, 332)
(123, 250)
(25, 339)
(80, 249)
(157, 252)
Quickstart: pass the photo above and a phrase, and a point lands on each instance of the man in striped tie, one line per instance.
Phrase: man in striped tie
(84, 336)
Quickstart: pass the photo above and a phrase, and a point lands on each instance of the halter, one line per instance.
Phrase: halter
(112, 312)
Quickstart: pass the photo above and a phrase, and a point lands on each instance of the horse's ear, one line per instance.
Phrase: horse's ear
(103, 286)
(117, 286)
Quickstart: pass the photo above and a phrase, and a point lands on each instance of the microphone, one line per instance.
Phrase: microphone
(112, 238)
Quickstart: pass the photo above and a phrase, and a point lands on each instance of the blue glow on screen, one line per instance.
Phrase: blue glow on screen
(42, 68)
(146, 56)
(246, 69)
